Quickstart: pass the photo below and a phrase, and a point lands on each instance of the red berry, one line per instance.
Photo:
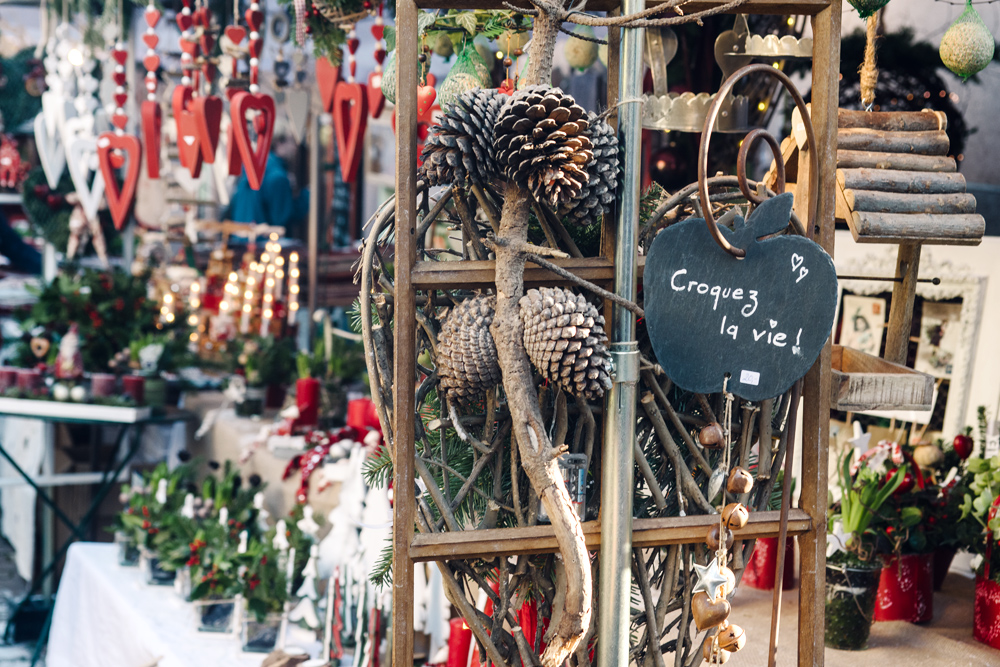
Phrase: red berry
(963, 445)
(909, 481)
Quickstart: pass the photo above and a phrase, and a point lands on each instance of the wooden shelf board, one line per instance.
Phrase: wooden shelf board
(751, 6)
(480, 273)
(646, 533)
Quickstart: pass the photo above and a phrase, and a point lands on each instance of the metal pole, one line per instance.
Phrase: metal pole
(312, 233)
(619, 426)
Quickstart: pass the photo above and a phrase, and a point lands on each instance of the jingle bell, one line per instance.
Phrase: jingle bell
(711, 436)
(717, 657)
(735, 516)
(740, 481)
(732, 638)
(713, 538)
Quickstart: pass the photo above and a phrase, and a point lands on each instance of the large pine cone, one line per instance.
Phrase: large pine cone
(602, 175)
(460, 146)
(466, 354)
(541, 144)
(565, 340)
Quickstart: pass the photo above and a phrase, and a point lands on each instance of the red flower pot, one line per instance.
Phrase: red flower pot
(906, 589)
(307, 400)
(361, 414)
(986, 618)
(763, 563)
(135, 387)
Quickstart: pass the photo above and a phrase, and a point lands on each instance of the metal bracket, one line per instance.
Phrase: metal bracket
(624, 362)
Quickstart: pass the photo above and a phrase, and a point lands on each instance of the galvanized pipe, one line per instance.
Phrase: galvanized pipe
(619, 428)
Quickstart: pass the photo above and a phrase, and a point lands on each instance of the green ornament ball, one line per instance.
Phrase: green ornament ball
(868, 7)
(444, 47)
(968, 46)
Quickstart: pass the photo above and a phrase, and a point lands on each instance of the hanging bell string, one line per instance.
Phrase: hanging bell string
(869, 69)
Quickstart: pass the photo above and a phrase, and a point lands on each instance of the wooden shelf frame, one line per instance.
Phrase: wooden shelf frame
(808, 522)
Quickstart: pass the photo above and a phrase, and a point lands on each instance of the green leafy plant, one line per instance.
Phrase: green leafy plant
(862, 497)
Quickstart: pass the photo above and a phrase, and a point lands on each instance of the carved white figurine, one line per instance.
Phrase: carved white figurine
(223, 516)
(161, 492)
(305, 612)
(307, 524)
(262, 514)
(69, 363)
(187, 511)
(149, 357)
(244, 536)
(280, 538)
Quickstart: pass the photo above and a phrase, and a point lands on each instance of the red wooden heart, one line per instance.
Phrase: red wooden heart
(235, 33)
(254, 157)
(151, 62)
(254, 47)
(254, 18)
(233, 153)
(152, 121)
(152, 17)
(327, 76)
(117, 159)
(208, 117)
(207, 43)
(188, 149)
(378, 31)
(151, 39)
(380, 55)
(431, 80)
(121, 99)
(350, 116)
(120, 56)
(352, 44)
(119, 78)
(184, 21)
(180, 99)
(119, 120)
(208, 69)
(425, 100)
(119, 199)
(376, 100)
(190, 48)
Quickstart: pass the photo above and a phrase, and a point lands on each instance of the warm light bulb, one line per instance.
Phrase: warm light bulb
(168, 298)
(195, 287)
(248, 294)
(233, 277)
(265, 258)
(294, 289)
(193, 320)
(224, 305)
(294, 257)
(293, 306)
(279, 260)
(246, 308)
(75, 57)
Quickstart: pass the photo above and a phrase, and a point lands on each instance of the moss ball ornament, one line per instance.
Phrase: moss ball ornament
(868, 7)
(580, 52)
(968, 46)
(468, 73)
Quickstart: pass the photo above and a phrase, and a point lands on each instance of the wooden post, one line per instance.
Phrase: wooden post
(404, 336)
(816, 390)
(897, 342)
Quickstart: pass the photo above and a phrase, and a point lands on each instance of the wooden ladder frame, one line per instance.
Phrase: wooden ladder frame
(808, 522)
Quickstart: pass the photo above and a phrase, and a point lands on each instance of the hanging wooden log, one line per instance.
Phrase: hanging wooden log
(894, 121)
(865, 139)
(852, 159)
(916, 182)
(891, 202)
(963, 229)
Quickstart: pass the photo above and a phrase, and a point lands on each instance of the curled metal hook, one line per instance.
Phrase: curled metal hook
(710, 121)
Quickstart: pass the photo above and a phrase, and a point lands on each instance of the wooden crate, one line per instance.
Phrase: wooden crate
(865, 382)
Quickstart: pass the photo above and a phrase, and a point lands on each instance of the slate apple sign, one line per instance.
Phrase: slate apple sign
(763, 319)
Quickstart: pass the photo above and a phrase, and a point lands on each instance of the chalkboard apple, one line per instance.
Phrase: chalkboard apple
(760, 321)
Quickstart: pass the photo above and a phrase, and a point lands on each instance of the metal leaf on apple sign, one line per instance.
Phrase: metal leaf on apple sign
(763, 319)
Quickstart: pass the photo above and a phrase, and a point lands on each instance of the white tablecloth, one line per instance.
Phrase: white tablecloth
(106, 615)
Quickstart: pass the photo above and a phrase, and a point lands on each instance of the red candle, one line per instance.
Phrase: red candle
(103, 384)
(135, 387)
(307, 400)
(458, 643)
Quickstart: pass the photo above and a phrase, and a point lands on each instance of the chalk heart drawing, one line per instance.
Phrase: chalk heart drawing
(81, 159)
(761, 320)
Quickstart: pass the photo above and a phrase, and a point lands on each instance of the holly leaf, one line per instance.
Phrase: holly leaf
(467, 21)
(389, 35)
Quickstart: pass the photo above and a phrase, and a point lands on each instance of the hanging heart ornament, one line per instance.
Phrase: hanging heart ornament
(188, 149)
(152, 124)
(376, 100)
(327, 76)
(50, 152)
(350, 117)
(81, 156)
(253, 156)
(207, 112)
(119, 199)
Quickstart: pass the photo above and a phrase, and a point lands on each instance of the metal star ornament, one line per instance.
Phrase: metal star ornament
(710, 578)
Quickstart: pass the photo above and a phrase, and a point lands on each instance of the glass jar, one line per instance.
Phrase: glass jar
(215, 615)
(260, 636)
(128, 552)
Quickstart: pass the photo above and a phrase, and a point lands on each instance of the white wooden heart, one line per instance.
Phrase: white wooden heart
(81, 156)
(50, 152)
(297, 110)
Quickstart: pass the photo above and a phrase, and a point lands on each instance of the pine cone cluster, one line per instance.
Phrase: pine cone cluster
(460, 146)
(565, 340)
(541, 144)
(466, 354)
(602, 175)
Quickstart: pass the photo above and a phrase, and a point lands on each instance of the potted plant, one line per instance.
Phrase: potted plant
(277, 367)
(265, 588)
(852, 567)
(980, 503)
(216, 562)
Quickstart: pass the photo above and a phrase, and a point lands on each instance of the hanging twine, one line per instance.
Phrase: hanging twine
(869, 70)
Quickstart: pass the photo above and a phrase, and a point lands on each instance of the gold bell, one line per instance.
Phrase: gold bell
(712, 540)
(717, 657)
(735, 516)
(732, 638)
(711, 436)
